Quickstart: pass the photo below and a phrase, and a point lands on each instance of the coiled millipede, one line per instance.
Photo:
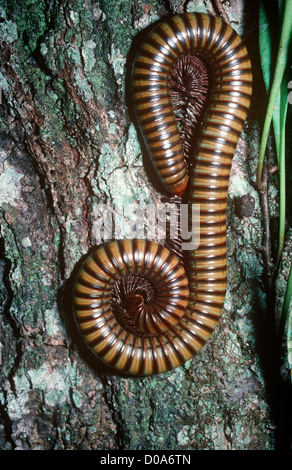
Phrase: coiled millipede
(134, 304)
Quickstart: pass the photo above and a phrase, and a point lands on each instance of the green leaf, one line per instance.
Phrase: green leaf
(274, 86)
(267, 35)
(281, 152)
(265, 44)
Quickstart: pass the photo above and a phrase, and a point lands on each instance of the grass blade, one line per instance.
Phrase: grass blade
(281, 62)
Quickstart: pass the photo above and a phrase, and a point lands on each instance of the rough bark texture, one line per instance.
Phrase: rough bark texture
(68, 144)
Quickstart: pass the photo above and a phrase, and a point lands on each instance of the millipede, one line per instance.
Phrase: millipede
(139, 307)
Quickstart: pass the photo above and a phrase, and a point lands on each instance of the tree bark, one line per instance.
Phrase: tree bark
(68, 145)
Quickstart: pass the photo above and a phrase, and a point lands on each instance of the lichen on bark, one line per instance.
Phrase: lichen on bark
(68, 145)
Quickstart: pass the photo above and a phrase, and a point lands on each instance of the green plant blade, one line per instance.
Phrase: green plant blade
(267, 34)
(281, 63)
(282, 165)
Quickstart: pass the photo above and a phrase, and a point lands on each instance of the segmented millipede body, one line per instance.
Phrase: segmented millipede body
(134, 304)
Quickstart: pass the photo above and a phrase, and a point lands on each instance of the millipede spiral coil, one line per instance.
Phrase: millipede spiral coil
(136, 305)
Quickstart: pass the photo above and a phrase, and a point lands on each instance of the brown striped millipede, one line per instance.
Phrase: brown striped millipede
(134, 304)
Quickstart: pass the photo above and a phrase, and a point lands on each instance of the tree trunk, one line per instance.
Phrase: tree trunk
(69, 145)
